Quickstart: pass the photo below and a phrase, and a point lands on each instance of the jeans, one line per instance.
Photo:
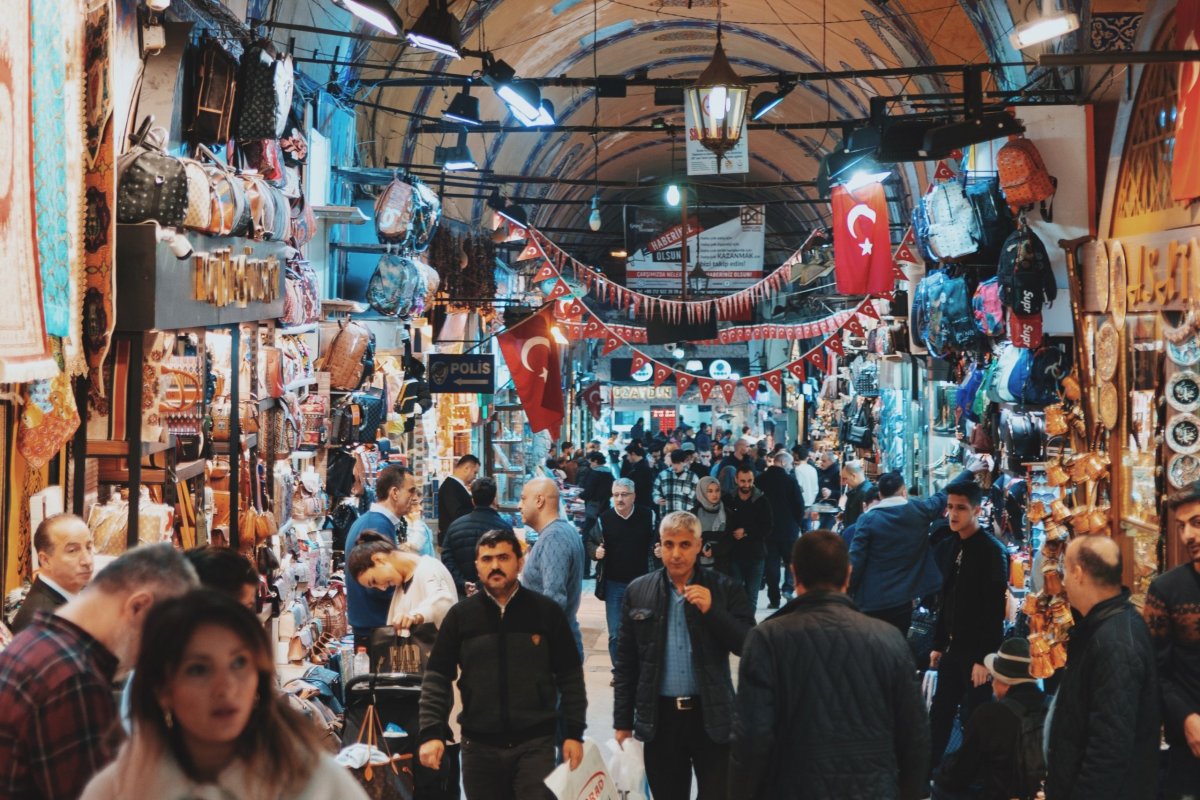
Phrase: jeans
(614, 594)
(680, 746)
(507, 773)
(953, 689)
(749, 574)
(779, 555)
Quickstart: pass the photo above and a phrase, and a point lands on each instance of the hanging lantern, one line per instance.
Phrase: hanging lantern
(718, 103)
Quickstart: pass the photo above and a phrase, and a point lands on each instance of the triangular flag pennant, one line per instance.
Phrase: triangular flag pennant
(592, 329)
(910, 237)
(706, 386)
(855, 327)
(661, 373)
(869, 311)
(835, 344)
(545, 273)
(898, 273)
(560, 290)
(751, 385)
(639, 361)
(573, 310)
(610, 343)
(728, 388)
(530, 251)
(943, 172)
(682, 381)
(956, 154)
(774, 379)
(905, 255)
(817, 359)
(797, 369)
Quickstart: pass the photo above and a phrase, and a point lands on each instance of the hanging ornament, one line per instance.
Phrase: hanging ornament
(869, 311)
(639, 361)
(545, 273)
(531, 251)
(898, 273)
(855, 327)
(905, 255)
(943, 171)
(593, 329)
(817, 358)
(560, 290)
(751, 385)
(610, 343)
(835, 344)
(797, 370)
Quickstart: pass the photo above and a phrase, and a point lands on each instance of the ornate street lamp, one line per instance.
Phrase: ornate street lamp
(698, 280)
(718, 102)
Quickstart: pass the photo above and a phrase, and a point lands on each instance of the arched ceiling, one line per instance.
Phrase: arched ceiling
(666, 39)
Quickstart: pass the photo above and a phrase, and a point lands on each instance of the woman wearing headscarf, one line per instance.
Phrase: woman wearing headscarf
(710, 510)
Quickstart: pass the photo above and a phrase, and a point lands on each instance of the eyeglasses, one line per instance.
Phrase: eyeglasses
(623, 494)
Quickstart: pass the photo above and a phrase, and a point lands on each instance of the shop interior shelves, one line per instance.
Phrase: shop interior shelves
(183, 472)
(110, 447)
(223, 448)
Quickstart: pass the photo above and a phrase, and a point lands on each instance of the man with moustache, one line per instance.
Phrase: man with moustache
(511, 650)
(66, 557)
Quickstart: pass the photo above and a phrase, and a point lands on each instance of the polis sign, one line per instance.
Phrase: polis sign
(471, 374)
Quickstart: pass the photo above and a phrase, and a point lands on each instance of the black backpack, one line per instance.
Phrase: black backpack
(1026, 278)
(1029, 763)
(994, 218)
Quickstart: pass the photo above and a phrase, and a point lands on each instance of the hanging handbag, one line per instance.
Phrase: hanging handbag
(264, 97)
(215, 91)
(391, 780)
(393, 285)
(350, 357)
(151, 185)
(393, 212)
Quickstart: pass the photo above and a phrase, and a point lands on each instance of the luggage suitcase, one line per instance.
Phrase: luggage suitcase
(397, 697)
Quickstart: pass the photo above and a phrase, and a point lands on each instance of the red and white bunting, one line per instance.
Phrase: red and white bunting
(910, 237)
(797, 369)
(561, 289)
(639, 361)
(728, 388)
(682, 381)
(530, 251)
(751, 385)
(905, 255)
(834, 343)
(610, 343)
(593, 328)
(573, 309)
(817, 359)
(661, 373)
(943, 171)
(706, 386)
(869, 311)
(774, 379)
(898, 273)
(855, 327)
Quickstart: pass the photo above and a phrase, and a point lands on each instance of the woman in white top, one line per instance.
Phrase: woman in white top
(424, 587)
(207, 721)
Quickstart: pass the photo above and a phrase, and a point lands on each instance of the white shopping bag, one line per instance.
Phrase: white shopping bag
(589, 781)
(627, 765)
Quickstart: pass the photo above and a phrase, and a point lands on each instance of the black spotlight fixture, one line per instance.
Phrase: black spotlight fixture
(765, 102)
(437, 30)
(374, 12)
(463, 109)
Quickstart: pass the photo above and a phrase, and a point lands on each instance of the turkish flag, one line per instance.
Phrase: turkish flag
(532, 357)
(775, 379)
(751, 385)
(817, 358)
(661, 373)
(639, 361)
(592, 329)
(855, 327)
(682, 381)
(834, 343)
(706, 387)
(610, 343)
(545, 273)
(797, 370)
(592, 399)
(1185, 170)
(862, 242)
(727, 389)
(905, 255)
(869, 311)
(530, 251)
(560, 290)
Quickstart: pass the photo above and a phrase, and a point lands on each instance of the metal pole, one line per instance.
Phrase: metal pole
(683, 258)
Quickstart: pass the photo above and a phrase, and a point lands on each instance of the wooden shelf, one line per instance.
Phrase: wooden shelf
(183, 472)
(223, 448)
(103, 448)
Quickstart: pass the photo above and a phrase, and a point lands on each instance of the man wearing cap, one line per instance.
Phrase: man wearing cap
(1172, 613)
(985, 766)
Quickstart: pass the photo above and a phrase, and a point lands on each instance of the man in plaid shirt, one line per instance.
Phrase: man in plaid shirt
(675, 486)
(57, 710)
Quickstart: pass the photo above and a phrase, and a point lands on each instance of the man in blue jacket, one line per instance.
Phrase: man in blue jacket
(396, 490)
(892, 563)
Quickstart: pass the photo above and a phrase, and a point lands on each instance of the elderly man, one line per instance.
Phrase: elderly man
(57, 707)
(454, 495)
(1104, 725)
(623, 541)
(857, 489)
(829, 489)
(66, 557)
(554, 567)
(673, 690)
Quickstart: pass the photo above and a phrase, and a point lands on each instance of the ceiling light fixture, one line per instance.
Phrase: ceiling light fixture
(456, 158)
(523, 98)
(594, 217)
(437, 30)
(619, 252)
(463, 109)
(862, 178)
(374, 12)
(764, 102)
(1050, 24)
(673, 195)
(717, 101)
(514, 214)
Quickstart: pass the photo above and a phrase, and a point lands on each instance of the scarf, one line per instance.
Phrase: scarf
(712, 517)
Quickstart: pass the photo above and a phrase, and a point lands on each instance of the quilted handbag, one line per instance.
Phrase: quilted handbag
(394, 212)
(953, 227)
(426, 215)
(264, 92)
(301, 298)
(350, 356)
(199, 214)
(393, 287)
(151, 185)
(359, 417)
(304, 222)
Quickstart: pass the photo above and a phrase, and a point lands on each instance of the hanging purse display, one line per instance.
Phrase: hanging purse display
(350, 357)
(151, 185)
(393, 212)
(264, 97)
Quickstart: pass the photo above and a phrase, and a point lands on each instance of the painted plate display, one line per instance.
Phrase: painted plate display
(1108, 353)
(1183, 470)
(1183, 391)
(1183, 434)
(1186, 354)
(1100, 275)
(1118, 293)
(1110, 405)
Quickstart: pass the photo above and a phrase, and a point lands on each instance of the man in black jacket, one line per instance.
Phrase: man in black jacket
(971, 622)
(778, 483)
(458, 549)
(638, 470)
(829, 483)
(66, 558)
(518, 664)
(750, 522)
(1104, 724)
(454, 494)
(828, 704)
(857, 490)
(622, 542)
(673, 687)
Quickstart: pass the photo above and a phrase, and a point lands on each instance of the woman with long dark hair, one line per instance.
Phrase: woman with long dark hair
(207, 720)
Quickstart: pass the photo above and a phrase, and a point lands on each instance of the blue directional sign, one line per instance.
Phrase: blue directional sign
(467, 374)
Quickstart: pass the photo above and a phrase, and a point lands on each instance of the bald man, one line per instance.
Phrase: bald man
(66, 558)
(1104, 724)
(554, 567)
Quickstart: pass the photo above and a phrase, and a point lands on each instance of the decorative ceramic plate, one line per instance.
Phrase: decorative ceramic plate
(1183, 434)
(1183, 470)
(1110, 405)
(1183, 391)
(1100, 275)
(1186, 354)
(1107, 351)
(1118, 293)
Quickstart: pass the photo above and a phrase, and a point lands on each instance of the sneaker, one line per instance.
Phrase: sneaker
(773, 604)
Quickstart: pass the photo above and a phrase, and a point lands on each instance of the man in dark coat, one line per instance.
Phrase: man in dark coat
(454, 494)
(857, 490)
(778, 483)
(1105, 721)
(66, 557)
(750, 522)
(673, 688)
(637, 469)
(458, 550)
(829, 491)
(828, 704)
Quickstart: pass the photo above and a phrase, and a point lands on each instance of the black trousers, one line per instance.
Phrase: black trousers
(507, 773)
(900, 616)
(779, 557)
(1183, 774)
(954, 689)
(680, 747)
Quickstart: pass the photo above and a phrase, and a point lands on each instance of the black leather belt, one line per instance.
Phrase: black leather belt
(682, 703)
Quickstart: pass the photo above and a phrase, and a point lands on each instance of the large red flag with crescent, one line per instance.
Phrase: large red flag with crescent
(532, 356)
(862, 244)
(592, 399)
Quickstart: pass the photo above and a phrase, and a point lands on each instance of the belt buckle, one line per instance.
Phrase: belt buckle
(684, 703)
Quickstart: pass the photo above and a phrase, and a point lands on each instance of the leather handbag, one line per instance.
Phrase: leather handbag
(393, 286)
(301, 296)
(304, 222)
(151, 185)
(231, 210)
(215, 91)
(350, 356)
(265, 156)
(264, 97)
(394, 212)
(199, 214)
(359, 417)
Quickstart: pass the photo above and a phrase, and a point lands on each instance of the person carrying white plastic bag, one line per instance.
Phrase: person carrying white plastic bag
(589, 781)
(627, 765)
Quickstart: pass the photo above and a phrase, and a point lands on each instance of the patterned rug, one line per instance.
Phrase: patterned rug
(24, 348)
(100, 190)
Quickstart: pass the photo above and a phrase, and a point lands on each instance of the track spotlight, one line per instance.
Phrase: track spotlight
(764, 102)
(463, 109)
(524, 99)
(458, 157)
(374, 12)
(1050, 24)
(437, 30)
(514, 214)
